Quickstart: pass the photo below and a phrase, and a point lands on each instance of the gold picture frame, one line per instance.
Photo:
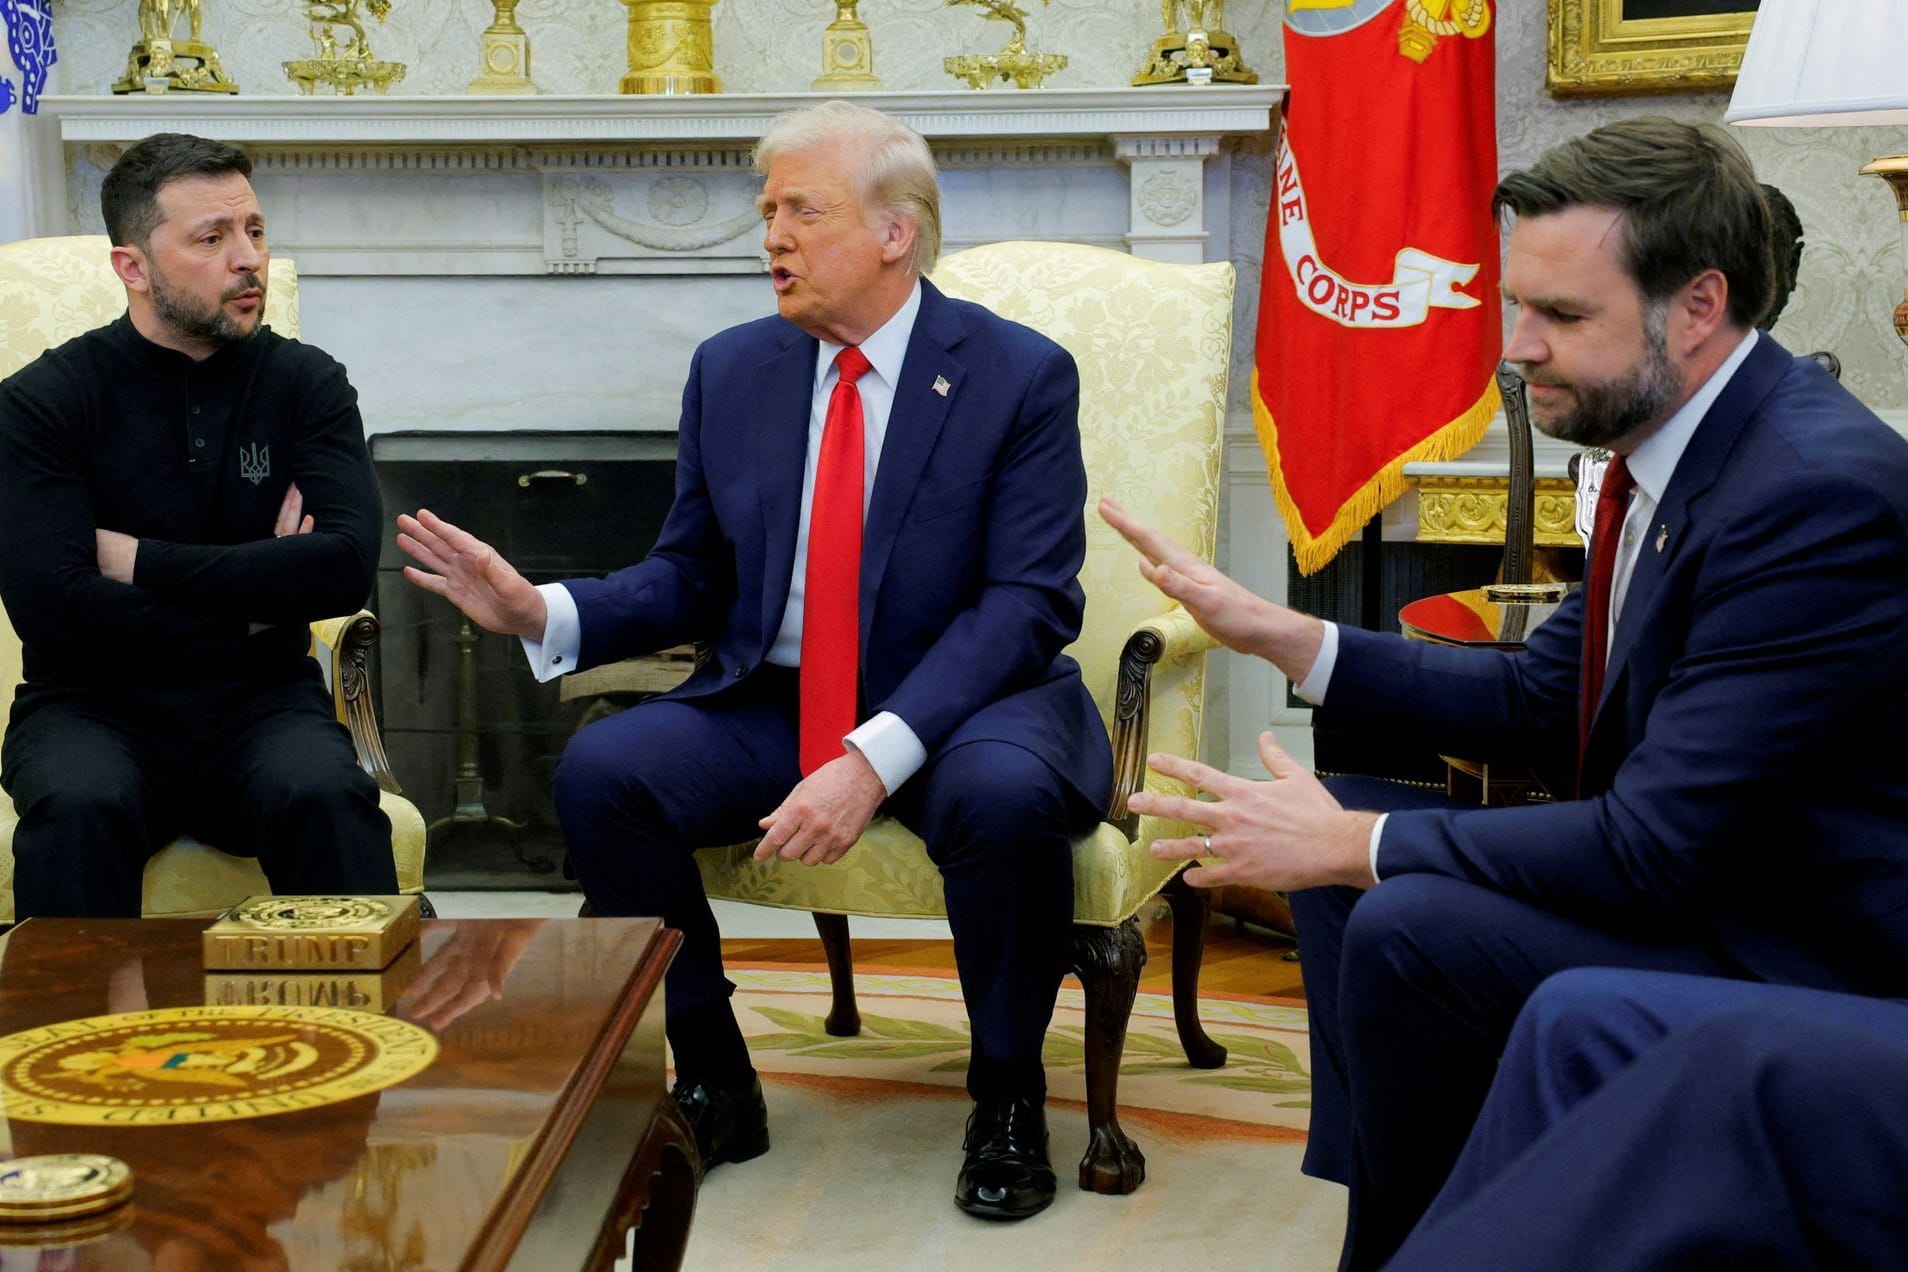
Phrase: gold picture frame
(1604, 48)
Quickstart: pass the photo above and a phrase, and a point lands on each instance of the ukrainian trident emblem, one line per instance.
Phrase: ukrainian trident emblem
(255, 463)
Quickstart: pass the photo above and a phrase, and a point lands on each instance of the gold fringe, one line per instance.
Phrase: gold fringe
(1313, 553)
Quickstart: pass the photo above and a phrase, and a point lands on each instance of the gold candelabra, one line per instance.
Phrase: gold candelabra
(1013, 62)
(671, 47)
(160, 63)
(344, 62)
(503, 54)
(847, 54)
(1197, 51)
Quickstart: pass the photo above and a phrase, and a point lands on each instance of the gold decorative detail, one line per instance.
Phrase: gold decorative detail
(159, 63)
(177, 1065)
(325, 934)
(1426, 20)
(344, 60)
(1597, 52)
(1476, 509)
(671, 47)
(1894, 170)
(309, 913)
(1199, 52)
(503, 53)
(1013, 62)
(847, 54)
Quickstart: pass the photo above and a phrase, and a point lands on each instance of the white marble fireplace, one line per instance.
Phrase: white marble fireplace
(551, 262)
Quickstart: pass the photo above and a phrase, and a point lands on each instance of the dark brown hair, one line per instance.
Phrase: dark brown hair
(129, 197)
(1689, 199)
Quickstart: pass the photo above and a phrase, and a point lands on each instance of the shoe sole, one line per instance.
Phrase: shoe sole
(747, 1150)
(981, 1210)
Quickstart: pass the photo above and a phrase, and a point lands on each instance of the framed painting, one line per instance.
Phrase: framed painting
(1601, 48)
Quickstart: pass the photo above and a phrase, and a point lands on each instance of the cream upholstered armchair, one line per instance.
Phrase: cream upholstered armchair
(52, 289)
(1153, 343)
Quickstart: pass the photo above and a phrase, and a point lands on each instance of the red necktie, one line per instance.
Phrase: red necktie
(831, 600)
(1613, 501)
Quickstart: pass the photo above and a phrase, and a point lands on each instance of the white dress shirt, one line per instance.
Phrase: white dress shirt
(1652, 464)
(889, 745)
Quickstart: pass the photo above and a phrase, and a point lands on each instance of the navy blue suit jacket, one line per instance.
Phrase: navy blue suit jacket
(974, 536)
(1744, 782)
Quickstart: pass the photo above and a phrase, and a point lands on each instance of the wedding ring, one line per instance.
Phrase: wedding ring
(1207, 840)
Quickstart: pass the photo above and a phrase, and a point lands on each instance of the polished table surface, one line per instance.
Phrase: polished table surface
(533, 1140)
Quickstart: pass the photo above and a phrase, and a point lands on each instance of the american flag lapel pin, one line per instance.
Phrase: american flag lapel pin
(941, 386)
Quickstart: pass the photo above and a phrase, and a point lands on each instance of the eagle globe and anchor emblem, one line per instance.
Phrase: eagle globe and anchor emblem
(1426, 21)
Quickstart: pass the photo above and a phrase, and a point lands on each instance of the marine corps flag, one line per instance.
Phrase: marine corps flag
(1379, 321)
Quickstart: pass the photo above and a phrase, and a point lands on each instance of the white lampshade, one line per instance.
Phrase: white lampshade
(1824, 62)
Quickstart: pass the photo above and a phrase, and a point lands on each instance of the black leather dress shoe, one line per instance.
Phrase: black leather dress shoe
(1006, 1174)
(730, 1123)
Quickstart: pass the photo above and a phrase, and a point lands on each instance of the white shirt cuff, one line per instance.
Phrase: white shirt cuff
(562, 639)
(890, 748)
(1377, 833)
(1319, 678)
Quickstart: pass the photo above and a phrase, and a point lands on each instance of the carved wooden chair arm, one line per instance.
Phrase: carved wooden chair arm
(1169, 637)
(344, 645)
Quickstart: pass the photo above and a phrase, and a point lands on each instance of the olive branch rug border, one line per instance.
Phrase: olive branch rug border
(914, 1039)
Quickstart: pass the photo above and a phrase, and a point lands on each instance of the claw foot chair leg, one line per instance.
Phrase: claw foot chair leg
(844, 1018)
(1108, 961)
(1192, 910)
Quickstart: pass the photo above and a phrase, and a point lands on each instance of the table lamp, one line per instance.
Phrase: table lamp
(1827, 63)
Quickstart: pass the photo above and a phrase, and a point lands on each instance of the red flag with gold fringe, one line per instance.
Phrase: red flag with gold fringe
(1379, 317)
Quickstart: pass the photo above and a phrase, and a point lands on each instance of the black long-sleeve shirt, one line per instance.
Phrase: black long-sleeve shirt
(110, 431)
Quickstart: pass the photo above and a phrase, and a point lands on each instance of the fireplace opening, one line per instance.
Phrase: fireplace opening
(471, 736)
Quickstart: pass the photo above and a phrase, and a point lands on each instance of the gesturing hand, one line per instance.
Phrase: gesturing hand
(1233, 614)
(1285, 834)
(468, 571)
(825, 813)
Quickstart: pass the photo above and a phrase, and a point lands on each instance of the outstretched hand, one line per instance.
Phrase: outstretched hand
(1234, 615)
(471, 575)
(1285, 834)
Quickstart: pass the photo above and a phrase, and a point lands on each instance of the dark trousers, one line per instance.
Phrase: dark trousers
(637, 793)
(1643, 1120)
(256, 766)
(1412, 987)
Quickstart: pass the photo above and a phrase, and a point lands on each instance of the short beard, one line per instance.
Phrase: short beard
(204, 326)
(1611, 410)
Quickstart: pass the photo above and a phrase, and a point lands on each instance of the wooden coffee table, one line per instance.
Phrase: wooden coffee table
(539, 1136)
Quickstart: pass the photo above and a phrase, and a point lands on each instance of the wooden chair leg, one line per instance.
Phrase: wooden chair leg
(844, 1018)
(1108, 961)
(1192, 910)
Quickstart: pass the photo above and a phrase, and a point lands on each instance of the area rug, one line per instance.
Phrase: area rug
(867, 1132)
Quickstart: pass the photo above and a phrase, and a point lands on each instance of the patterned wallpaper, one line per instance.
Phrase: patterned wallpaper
(1851, 270)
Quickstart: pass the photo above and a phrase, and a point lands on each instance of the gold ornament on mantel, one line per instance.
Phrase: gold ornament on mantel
(504, 53)
(1200, 52)
(847, 54)
(159, 63)
(671, 47)
(1013, 62)
(344, 60)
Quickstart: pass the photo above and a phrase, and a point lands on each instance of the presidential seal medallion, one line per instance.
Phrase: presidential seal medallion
(180, 1065)
(61, 1186)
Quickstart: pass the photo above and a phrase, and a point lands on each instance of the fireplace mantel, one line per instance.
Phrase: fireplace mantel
(661, 185)
(1212, 111)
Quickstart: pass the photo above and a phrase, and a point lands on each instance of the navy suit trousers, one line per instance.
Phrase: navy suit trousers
(1411, 988)
(1649, 1120)
(637, 793)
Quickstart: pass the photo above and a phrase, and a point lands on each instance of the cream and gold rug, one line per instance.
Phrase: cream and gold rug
(867, 1137)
